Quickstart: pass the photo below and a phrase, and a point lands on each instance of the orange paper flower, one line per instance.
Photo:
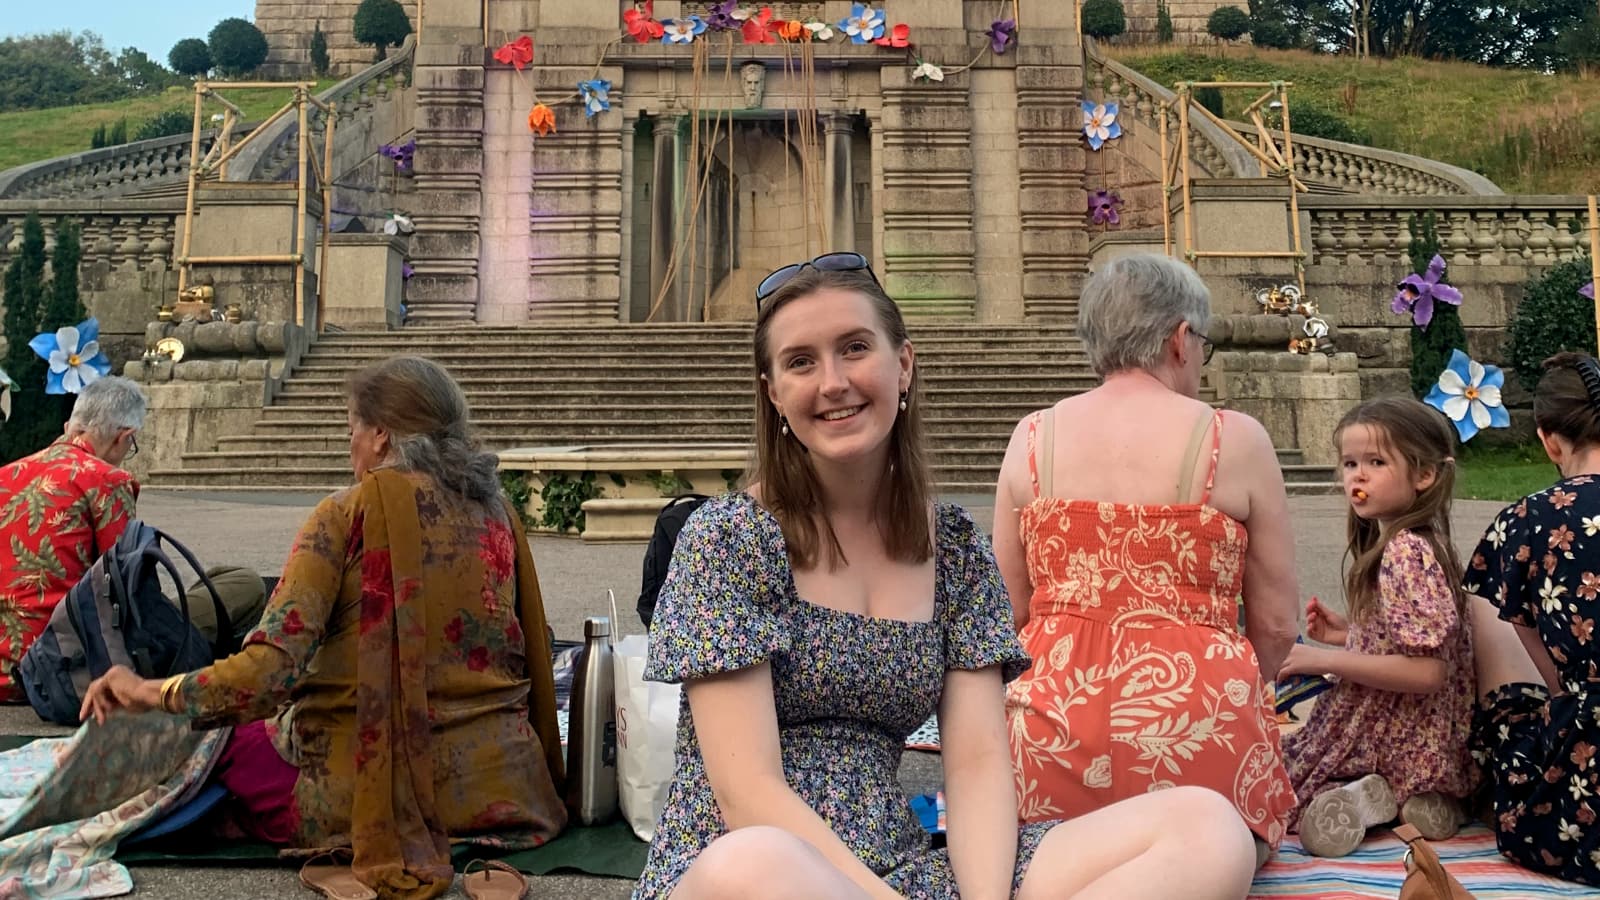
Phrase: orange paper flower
(517, 53)
(542, 120)
(899, 36)
(790, 29)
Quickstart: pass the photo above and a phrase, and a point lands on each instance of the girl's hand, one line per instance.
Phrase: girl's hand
(1324, 625)
(1304, 659)
(119, 689)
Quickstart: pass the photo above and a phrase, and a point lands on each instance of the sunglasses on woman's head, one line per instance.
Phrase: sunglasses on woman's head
(843, 261)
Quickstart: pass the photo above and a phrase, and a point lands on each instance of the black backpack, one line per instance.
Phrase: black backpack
(117, 615)
(658, 556)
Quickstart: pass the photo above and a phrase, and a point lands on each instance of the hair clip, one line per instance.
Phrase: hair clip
(1589, 371)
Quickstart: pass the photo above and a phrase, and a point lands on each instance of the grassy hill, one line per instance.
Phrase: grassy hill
(1527, 132)
(36, 134)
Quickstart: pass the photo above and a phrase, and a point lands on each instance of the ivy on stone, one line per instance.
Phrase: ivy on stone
(564, 496)
(1431, 346)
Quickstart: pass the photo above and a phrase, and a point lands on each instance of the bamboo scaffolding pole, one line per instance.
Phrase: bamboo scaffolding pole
(1183, 160)
(1262, 99)
(1208, 114)
(1594, 256)
(233, 151)
(188, 203)
(485, 24)
(1245, 254)
(1294, 195)
(1166, 190)
(302, 139)
(262, 259)
(327, 209)
(224, 140)
(255, 86)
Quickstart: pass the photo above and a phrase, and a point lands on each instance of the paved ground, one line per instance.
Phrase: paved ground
(257, 529)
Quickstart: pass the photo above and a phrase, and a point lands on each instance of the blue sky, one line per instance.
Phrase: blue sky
(152, 25)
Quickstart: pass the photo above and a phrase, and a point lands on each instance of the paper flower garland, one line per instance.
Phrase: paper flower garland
(1002, 34)
(398, 223)
(541, 119)
(898, 37)
(758, 27)
(596, 94)
(641, 24)
(682, 31)
(927, 72)
(1100, 123)
(723, 16)
(821, 31)
(1104, 208)
(865, 24)
(402, 154)
(518, 53)
(1418, 293)
(74, 357)
(1468, 393)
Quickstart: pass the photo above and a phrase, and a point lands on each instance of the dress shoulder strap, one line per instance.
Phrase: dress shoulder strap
(1041, 427)
(1191, 456)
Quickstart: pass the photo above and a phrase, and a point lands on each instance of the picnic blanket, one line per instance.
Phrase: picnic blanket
(66, 803)
(1376, 869)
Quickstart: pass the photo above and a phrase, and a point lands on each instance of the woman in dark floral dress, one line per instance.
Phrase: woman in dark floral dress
(1538, 723)
(821, 615)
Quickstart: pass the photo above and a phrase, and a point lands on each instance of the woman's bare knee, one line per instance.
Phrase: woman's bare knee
(741, 864)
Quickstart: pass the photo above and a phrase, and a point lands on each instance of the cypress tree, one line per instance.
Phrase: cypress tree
(1431, 347)
(28, 429)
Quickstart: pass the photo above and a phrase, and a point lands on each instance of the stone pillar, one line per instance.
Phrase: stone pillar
(928, 243)
(840, 180)
(449, 165)
(663, 212)
(1051, 163)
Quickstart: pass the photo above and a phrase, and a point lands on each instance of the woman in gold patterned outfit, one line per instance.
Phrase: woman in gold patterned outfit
(403, 662)
(1128, 521)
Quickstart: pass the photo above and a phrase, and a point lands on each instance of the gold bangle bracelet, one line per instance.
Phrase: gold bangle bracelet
(169, 691)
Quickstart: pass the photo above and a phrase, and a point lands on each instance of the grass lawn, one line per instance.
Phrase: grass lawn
(1525, 131)
(35, 134)
(1503, 473)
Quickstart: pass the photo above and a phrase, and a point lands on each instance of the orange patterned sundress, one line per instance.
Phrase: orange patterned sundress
(1140, 678)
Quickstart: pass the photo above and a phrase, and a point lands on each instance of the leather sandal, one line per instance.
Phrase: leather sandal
(329, 874)
(494, 881)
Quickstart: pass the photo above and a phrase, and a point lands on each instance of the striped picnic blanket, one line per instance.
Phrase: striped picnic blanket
(1377, 868)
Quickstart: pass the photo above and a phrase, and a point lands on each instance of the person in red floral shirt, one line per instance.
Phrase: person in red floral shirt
(59, 510)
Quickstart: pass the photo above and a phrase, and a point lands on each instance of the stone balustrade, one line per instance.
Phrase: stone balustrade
(135, 168)
(1523, 230)
(132, 233)
(1354, 169)
(1213, 152)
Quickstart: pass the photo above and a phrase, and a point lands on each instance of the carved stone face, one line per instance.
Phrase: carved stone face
(754, 82)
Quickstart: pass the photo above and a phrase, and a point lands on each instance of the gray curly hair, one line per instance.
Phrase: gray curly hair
(1130, 306)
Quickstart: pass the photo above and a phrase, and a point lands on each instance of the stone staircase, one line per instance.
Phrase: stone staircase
(648, 384)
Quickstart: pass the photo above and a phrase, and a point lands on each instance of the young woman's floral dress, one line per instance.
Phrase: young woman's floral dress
(1417, 742)
(848, 688)
(1540, 564)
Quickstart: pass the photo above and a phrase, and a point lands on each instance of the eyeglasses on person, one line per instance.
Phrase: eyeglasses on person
(841, 261)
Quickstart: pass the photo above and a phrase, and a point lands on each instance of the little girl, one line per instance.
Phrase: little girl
(1391, 736)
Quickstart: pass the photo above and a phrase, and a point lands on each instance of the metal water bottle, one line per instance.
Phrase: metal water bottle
(592, 728)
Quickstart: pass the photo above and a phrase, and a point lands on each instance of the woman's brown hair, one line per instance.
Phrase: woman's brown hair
(782, 465)
(1420, 436)
(425, 413)
(1563, 404)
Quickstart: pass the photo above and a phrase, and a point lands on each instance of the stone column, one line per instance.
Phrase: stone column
(663, 213)
(1051, 163)
(840, 180)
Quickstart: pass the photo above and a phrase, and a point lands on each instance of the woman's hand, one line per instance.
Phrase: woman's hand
(1305, 659)
(119, 689)
(1324, 625)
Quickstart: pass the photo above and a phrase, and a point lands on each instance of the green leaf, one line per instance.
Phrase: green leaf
(45, 561)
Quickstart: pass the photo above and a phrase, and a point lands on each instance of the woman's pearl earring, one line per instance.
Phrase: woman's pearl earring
(903, 395)
(783, 425)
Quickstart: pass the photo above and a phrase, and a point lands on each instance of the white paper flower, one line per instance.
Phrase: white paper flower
(820, 31)
(5, 396)
(928, 72)
(1469, 393)
(398, 224)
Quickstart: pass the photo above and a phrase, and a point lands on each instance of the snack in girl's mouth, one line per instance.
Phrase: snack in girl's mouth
(1360, 494)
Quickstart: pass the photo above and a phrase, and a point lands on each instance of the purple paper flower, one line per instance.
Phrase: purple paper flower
(406, 271)
(722, 18)
(1587, 290)
(401, 154)
(1002, 34)
(1104, 208)
(1418, 293)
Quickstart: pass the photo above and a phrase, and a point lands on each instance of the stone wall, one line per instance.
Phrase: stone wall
(1188, 19)
(288, 25)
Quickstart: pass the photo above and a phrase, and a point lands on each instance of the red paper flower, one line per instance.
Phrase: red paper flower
(641, 23)
(758, 28)
(899, 36)
(542, 120)
(517, 53)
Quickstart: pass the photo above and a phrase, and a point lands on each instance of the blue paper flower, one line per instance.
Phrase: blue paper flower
(1468, 393)
(74, 356)
(682, 31)
(596, 96)
(1100, 123)
(865, 24)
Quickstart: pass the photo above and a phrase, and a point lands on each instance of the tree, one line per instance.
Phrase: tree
(382, 23)
(1552, 317)
(1228, 23)
(1101, 18)
(1431, 347)
(190, 57)
(1521, 33)
(164, 124)
(1269, 27)
(57, 69)
(142, 75)
(28, 429)
(1164, 29)
(319, 51)
(97, 138)
(237, 47)
(118, 135)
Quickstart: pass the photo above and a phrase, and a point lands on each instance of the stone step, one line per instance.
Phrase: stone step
(984, 434)
(726, 330)
(486, 363)
(727, 408)
(401, 342)
(1047, 384)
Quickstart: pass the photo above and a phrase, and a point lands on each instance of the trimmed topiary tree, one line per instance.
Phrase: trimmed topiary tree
(1552, 317)
(1104, 18)
(1228, 23)
(1164, 30)
(320, 63)
(381, 23)
(237, 47)
(1431, 347)
(190, 57)
(29, 428)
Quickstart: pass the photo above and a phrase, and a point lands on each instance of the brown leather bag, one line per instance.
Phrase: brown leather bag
(1426, 878)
